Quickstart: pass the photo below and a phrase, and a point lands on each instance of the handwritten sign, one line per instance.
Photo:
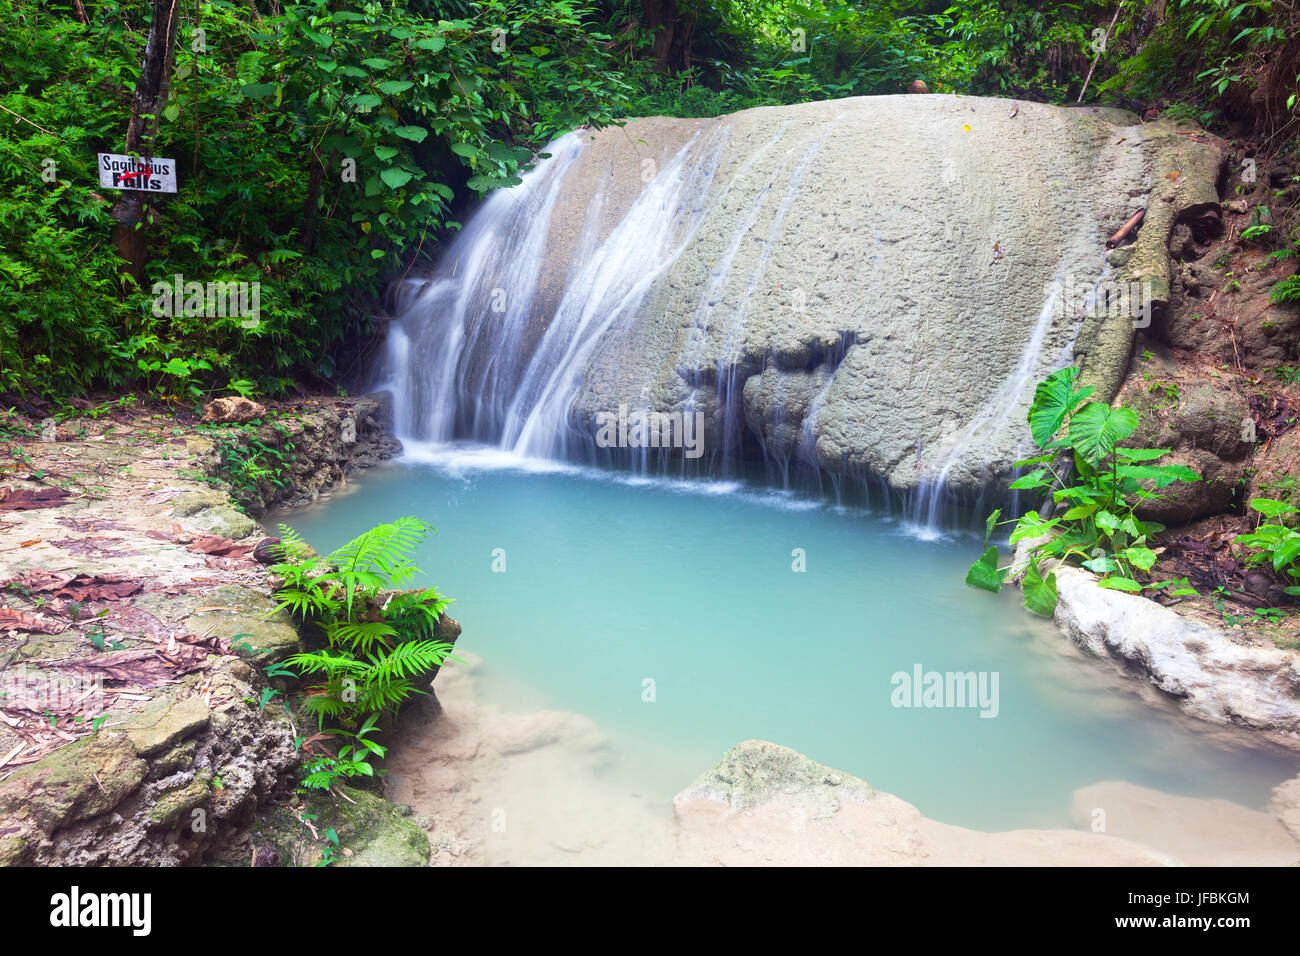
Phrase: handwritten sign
(147, 174)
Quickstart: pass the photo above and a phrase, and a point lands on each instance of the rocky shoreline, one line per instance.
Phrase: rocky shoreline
(136, 724)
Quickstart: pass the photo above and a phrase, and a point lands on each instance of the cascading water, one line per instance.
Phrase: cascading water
(758, 274)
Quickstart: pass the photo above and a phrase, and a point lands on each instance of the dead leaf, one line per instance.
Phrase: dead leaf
(14, 620)
(80, 587)
(216, 545)
(20, 499)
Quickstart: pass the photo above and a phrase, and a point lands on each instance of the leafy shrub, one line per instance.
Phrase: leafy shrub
(377, 641)
(1097, 526)
(1274, 543)
(353, 760)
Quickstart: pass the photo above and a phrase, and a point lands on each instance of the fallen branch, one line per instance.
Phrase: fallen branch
(1126, 230)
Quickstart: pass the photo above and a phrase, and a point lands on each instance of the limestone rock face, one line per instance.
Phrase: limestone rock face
(874, 284)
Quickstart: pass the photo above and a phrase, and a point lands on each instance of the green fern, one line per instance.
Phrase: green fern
(374, 650)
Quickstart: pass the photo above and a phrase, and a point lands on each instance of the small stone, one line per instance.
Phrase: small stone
(232, 411)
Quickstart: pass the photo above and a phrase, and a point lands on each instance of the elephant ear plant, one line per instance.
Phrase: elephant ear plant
(1095, 526)
(1274, 543)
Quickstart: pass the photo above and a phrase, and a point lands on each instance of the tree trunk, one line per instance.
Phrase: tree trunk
(150, 98)
(672, 31)
(311, 203)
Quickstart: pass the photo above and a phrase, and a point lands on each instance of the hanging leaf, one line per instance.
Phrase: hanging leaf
(1040, 592)
(984, 573)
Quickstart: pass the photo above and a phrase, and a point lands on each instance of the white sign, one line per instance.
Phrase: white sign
(145, 173)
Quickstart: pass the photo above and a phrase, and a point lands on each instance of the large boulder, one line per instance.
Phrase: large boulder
(887, 275)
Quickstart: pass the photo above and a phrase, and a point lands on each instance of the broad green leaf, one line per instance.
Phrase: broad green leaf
(984, 573)
(1054, 399)
(1162, 475)
(1079, 512)
(1031, 525)
(432, 44)
(1118, 583)
(395, 177)
(1040, 592)
(1142, 558)
(990, 523)
(1034, 479)
(1287, 551)
(1140, 454)
(1096, 428)
(394, 87)
(385, 153)
(1040, 460)
(1107, 521)
(464, 149)
(1271, 509)
(416, 134)
(1101, 565)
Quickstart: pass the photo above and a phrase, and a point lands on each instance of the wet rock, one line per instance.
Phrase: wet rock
(209, 512)
(269, 551)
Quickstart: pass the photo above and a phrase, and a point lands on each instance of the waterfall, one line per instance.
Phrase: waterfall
(760, 276)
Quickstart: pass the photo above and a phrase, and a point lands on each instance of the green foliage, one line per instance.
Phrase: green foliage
(1274, 543)
(1095, 524)
(353, 760)
(376, 643)
(246, 461)
(1209, 55)
(319, 144)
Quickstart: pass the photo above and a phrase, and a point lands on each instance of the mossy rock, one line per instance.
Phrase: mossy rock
(371, 832)
(209, 512)
(165, 722)
(73, 783)
(171, 804)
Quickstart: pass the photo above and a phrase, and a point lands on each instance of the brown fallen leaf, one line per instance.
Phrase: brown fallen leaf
(15, 620)
(80, 587)
(20, 499)
(214, 544)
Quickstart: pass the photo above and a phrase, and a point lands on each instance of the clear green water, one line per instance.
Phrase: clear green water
(610, 581)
